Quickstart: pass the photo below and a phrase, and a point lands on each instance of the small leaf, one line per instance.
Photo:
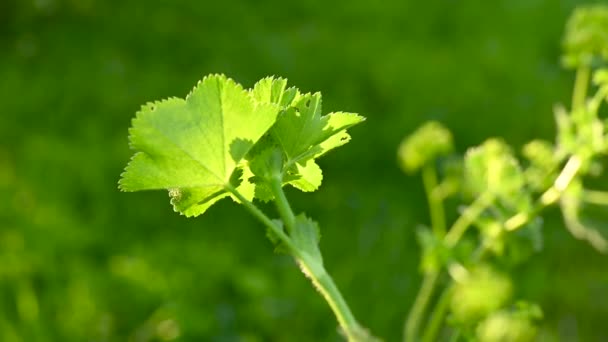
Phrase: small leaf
(492, 234)
(424, 145)
(194, 146)
(492, 168)
(586, 38)
(566, 134)
(435, 254)
(543, 164)
(510, 325)
(306, 236)
(482, 291)
(301, 132)
(308, 176)
(274, 90)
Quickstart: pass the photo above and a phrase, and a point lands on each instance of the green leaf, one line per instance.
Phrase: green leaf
(306, 236)
(308, 176)
(513, 325)
(274, 90)
(193, 146)
(492, 168)
(301, 132)
(586, 38)
(600, 77)
(482, 291)
(435, 254)
(543, 164)
(424, 145)
(566, 133)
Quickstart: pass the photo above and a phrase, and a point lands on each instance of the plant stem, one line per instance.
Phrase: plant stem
(323, 282)
(595, 197)
(429, 178)
(257, 213)
(282, 204)
(412, 324)
(581, 83)
(441, 308)
(468, 216)
(437, 213)
(550, 196)
(315, 270)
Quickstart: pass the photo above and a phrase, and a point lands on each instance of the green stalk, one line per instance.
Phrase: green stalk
(595, 197)
(316, 272)
(581, 83)
(432, 330)
(468, 216)
(258, 214)
(282, 204)
(437, 213)
(549, 197)
(414, 319)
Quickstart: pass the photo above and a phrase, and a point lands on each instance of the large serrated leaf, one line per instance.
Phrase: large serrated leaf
(193, 146)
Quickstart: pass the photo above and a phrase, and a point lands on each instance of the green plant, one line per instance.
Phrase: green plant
(225, 141)
(504, 200)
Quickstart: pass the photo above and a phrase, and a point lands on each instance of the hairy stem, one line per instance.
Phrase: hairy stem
(414, 319)
(316, 272)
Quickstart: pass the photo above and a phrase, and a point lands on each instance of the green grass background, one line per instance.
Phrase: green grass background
(80, 261)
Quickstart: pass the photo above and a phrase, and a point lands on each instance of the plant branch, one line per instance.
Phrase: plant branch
(468, 216)
(441, 308)
(595, 197)
(257, 213)
(282, 204)
(315, 271)
(437, 213)
(414, 319)
(551, 196)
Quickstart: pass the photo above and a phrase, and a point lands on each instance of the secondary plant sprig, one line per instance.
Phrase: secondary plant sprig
(507, 199)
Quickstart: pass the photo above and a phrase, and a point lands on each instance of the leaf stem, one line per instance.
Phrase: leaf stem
(414, 319)
(257, 213)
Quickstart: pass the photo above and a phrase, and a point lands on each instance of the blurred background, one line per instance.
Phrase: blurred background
(80, 261)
